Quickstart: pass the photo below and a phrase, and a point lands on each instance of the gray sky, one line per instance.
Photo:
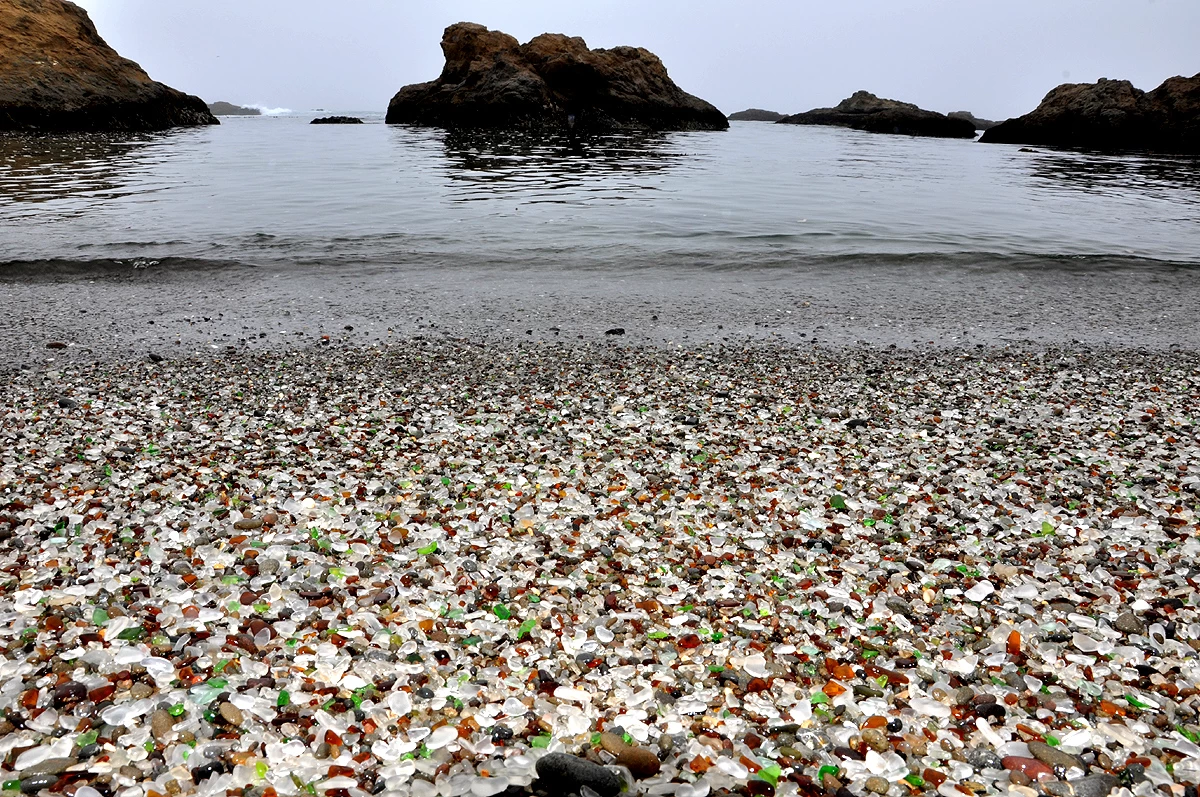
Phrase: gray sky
(994, 58)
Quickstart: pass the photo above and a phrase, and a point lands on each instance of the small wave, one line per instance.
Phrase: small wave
(266, 111)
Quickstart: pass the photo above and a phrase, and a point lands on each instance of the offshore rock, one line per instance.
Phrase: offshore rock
(550, 82)
(1111, 115)
(229, 109)
(980, 124)
(337, 120)
(865, 111)
(57, 74)
(756, 115)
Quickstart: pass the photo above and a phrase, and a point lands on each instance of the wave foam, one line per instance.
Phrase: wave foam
(269, 111)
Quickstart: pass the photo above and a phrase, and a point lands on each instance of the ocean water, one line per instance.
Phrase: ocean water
(275, 192)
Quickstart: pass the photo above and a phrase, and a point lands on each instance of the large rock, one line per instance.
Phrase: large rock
(756, 115)
(980, 124)
(57, 74)
(865, 111)
(1111, 115)
(229, 109)
(551, 82)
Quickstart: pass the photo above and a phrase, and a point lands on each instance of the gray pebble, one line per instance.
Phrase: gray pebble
(983, 758)
(1093, 785)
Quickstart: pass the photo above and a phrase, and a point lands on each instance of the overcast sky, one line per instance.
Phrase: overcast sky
(994, 58)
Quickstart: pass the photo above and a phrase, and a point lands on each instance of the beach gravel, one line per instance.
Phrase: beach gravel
(456, 568)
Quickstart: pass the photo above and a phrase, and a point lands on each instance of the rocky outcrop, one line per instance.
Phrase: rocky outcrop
(980, 124)
(229, 109)
(756, 115)
(337, 120)
(865, 111)
(551, 82)
(1111, 115)
(57, 74)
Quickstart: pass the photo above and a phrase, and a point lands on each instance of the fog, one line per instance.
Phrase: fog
(995, 59)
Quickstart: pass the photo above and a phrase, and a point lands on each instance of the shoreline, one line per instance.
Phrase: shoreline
(178, 312)
(767, 568)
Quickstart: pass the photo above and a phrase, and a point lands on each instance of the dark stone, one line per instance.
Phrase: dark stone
(58, 75)
(864, 111)
(337, 120)
(756, 115)
(550, 82)
(1093, 785)
(206, 771)
(68, 404)
(34, 784)
(1111, 115)
(615, 331)
(564, 774)
(70, 692)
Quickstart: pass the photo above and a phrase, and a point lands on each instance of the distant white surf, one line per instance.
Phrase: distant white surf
(270, 111)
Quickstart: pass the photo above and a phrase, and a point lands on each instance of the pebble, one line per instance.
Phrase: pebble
(566, 774)
(1030, 767)
(1098, 785)
(161, 723)
(34, 784)
(877, 785)
(983, 758)
(232, 714)
(1052, 756)
(1128, 623)
(50, 766)
(641, 761)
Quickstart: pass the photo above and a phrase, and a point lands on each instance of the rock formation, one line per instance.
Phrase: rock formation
(1111, 115)
(756, 115)
(337, 120)
(980, 124)
(551, 82)
(229, 109)
(57, 74)
(865, 111)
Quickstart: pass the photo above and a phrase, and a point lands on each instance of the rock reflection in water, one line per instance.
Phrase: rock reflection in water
(557, 168)
(1163, 177)
(40, 168)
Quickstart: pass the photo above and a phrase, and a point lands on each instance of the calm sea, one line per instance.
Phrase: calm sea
(276, 192)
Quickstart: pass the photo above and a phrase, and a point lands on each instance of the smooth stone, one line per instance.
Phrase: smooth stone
(562, 773)
(1093, 785)
(1052, 756)
(36, 783)
(248, 524)
(70, 692)
(983, 758)
(51, 766)
(231, 714)
(206, 771)
(140, 691)
(641, 761)
(876, 740)
(1031, 767)
(1128, 623)
(877, 785)
(161, 723)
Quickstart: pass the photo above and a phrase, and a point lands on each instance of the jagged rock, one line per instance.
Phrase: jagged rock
(229, 109)
(756, 115)
(337, 120)
(552, 81)
(57, 74)
(980, 124)
(1111, 115)
(865, 111)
